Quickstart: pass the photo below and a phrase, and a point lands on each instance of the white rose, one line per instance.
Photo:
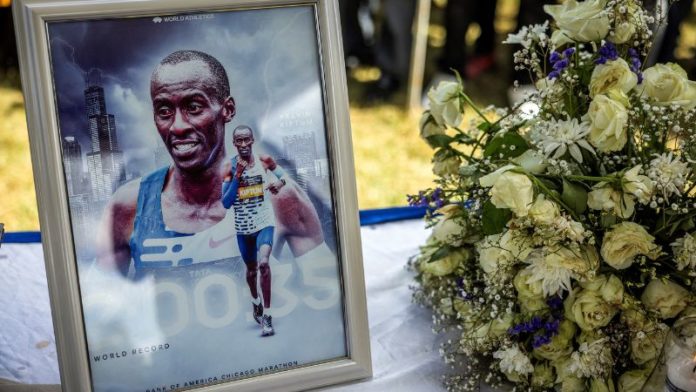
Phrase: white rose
(542, 376)
(609, 288)
(623, 32)
(625, 24)
(514, 191)
(561, 344)
(608, 119)
(544, 211)
(606, 198)
(590, 311)
(529, 295)
(634, 317)
(532, 161)
(666, 298)
(446, 167)
(445, 265)
(572, 384)
(517, 243)
(647, 344)
(667, 84)
(445, 103)
(633, 380)
(584, 22)
(429, 127)
(489, 179)
(598, 385)
(613, 75)
(449, 231)
(492, 256)
(639, 186)
(624, 242)
(500, 326)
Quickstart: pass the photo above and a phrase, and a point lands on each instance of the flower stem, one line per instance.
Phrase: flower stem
(590, 178)
(476, 109)
(553, 196)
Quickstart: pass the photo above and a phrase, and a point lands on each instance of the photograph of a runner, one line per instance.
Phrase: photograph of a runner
(253, 217)
(200, 197)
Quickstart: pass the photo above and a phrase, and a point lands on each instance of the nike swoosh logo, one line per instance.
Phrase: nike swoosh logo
(215, 244)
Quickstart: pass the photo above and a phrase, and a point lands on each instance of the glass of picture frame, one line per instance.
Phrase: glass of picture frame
(196, 193)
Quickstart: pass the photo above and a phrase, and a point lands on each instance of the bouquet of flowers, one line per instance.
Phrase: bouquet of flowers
(564, 236)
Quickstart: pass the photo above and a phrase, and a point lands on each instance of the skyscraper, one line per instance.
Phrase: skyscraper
(78, 193)
(105, 162)
(301, 151)
(72, 162)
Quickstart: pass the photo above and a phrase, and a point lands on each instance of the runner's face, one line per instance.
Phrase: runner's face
(243, 139)
(190, 120)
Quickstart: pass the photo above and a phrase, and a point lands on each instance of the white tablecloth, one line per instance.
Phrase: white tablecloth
(404, 350)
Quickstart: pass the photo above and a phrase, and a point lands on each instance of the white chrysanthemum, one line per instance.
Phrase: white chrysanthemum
(513, 361)
(669, 174)
(551, 270)
(569, 229)
(592, 360)
(685, 252)
(556, 137)
(528, 35)
(637, 185)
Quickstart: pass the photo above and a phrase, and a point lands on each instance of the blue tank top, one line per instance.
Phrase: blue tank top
(154, 247)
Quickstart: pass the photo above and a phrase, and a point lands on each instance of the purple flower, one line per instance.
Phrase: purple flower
(559, 62)
(552, 326)
(555, 302)
(635, 64)
(607, 52)
(568, 52)
(432, 199)
(536, 322)
(540, 340)
(560, 65)
(469, 204)
(554, 56)
(540, 330)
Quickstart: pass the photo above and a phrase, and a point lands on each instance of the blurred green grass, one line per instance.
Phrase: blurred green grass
(18, 206)
(390, 159)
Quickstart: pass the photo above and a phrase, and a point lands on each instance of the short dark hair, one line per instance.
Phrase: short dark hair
(221, 84)
(242, 128)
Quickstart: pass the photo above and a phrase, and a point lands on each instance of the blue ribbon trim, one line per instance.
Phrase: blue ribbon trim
(21, 237)
(383, 215)
(367, 217)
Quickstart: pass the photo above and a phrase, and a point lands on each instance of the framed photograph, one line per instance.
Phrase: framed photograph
(196, 189)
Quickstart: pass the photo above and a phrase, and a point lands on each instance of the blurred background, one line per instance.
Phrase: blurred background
(386, 85)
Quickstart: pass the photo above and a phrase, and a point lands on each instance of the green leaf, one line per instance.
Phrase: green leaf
(439, 254)
(436, 141)
(575, 196)
(488, 127)
(464, 139)
(553, 187)
(501, 145)
(494, 219)
(443, 154)
(688, 225)
(608, 220)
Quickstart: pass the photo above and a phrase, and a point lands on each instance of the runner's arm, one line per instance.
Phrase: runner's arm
(297, 219)
(229, 192)
(116, 227)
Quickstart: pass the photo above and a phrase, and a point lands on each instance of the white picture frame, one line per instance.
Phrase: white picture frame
(36, 22)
